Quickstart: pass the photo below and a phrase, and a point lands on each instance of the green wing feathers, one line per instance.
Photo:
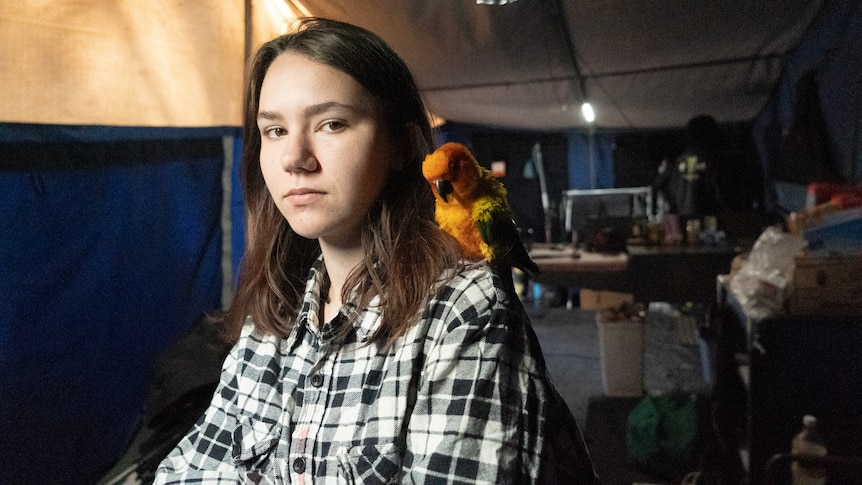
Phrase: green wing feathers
(497, 227)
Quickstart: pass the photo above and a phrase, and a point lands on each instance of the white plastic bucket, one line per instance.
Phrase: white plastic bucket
(621, 345)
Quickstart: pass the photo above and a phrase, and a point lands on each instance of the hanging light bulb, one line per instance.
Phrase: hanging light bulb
(589, 114)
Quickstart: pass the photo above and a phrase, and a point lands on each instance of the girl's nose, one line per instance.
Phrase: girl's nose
(297, 155)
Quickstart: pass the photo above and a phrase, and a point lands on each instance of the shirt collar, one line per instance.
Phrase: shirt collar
(365, 322)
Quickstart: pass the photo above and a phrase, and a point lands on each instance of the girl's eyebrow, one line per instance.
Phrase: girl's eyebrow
(312, 110)
(268, 115)
(316, 109)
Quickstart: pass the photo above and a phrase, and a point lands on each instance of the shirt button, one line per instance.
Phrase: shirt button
(317, 380)
(299, 465)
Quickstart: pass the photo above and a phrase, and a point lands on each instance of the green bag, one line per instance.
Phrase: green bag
(662, 434)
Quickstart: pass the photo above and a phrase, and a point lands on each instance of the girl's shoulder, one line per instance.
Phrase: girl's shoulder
(472, 275)
(474, 284)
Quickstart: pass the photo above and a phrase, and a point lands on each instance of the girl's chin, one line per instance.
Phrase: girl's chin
(337, 236)
(304, 233)
(303, 229)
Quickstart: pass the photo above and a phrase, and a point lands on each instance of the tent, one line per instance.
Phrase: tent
(119, 127)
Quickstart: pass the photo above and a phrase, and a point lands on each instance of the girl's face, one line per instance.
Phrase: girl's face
(325, 154)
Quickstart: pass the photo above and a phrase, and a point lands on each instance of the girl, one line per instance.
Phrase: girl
(366, 350)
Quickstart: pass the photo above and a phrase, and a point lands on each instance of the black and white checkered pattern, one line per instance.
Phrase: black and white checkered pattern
(463, 398)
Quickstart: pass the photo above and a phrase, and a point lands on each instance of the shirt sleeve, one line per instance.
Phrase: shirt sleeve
(486, 411)
(203, 456)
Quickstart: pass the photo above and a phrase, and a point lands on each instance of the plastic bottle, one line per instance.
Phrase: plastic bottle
(808, 442)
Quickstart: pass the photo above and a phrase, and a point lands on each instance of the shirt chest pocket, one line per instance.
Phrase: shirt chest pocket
(254, 447)
(369, 464)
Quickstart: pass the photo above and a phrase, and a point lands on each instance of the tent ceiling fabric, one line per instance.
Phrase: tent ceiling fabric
(649, 64)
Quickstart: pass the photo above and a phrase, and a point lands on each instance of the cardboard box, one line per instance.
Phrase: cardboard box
(827, 285)
(600, 300)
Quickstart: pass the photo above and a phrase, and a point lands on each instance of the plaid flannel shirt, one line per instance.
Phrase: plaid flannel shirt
(463, 398)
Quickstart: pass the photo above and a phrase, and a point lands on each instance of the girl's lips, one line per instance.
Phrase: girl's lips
(302, 196)
(300, 191)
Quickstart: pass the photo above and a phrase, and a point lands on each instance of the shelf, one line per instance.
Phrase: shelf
(788, 366)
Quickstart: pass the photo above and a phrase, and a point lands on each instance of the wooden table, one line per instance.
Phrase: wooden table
(562, 265)
(678, 274)
(674, 274)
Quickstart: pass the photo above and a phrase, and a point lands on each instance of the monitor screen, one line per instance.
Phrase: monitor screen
(585, 210)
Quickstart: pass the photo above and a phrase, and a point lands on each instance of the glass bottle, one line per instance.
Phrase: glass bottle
(808, 442)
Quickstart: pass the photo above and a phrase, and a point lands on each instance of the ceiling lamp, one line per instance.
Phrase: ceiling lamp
(589, 114)
(494, 2)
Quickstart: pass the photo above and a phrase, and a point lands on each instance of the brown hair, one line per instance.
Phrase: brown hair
(405, 251)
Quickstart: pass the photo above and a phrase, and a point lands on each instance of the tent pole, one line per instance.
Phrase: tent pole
(543, 186)
(592, 155)
(570, 48)
(249, 32)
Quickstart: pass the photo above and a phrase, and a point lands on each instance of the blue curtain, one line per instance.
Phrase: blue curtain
(580, 175)
(110, 250)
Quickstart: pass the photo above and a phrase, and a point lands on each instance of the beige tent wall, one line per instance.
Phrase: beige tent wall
(157, 63)
(273, 17)
(122, 62)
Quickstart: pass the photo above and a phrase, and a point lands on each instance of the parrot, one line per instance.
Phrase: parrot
(471, 205)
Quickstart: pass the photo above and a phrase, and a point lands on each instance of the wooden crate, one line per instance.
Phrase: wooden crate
(827, 285)
(600, 300)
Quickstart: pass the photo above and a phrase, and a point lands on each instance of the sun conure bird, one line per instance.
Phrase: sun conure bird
(471, 205)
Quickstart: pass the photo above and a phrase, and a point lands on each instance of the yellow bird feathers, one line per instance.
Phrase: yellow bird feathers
(471, 205)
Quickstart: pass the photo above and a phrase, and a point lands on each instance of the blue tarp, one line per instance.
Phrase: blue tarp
(110, 250)
(832, 50)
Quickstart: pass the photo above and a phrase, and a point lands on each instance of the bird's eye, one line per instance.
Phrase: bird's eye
(453, 169)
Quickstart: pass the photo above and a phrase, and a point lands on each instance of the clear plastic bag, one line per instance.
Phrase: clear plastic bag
(765, 280)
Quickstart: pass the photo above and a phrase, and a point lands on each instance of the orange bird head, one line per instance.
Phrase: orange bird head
(451, 169)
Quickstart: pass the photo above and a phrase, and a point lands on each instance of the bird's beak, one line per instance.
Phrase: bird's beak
(444, 188)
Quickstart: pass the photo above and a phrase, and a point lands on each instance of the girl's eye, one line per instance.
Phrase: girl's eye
(274, 132)
(333, 126)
